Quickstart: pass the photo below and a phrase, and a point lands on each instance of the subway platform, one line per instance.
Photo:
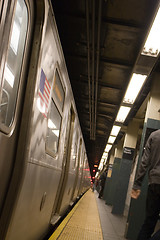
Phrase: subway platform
(91, 219)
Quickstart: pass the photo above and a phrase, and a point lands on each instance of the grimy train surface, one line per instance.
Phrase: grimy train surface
(43, 161)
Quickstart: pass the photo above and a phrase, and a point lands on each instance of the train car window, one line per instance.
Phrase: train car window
(12, 69)
(55, 116)
(54, 124)
(74, 155)
(58, 92)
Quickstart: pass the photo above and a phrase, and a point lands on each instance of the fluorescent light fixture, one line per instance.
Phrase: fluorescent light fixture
(108, 147)
(56, 132)
(122, 114)
(105, 161)
(115, 130)
(152, 44)
(134, 87)
(51, 125)
(8, 75)
(100, 166)
(105, 154)
(111, 139)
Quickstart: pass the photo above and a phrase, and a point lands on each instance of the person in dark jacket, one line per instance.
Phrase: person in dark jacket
(151, 162)
(102, 183)
(156, 236)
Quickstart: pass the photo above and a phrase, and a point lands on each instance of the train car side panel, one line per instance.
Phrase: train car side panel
(13, 66)
(49, 157)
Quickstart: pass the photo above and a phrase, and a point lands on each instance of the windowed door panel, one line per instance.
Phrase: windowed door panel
(11, 92)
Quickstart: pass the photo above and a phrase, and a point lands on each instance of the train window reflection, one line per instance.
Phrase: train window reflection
(74, 157)
(54, 123)
(58, 92)
(8, 76)
(11, 75)
(15, 37)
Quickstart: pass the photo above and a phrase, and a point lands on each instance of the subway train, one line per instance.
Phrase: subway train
(43, 162)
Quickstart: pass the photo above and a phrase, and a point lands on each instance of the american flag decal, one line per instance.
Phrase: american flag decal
(44, 94)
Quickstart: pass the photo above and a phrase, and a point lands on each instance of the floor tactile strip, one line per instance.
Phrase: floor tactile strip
(84, 222)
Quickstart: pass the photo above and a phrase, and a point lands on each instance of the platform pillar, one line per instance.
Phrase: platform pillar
(110, 190)
(129, 146)
(151, 123)
(109, 175)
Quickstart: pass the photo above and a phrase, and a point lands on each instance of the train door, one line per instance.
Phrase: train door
(66, 162)
(75, 188)
(81, 175)
(15, 36)
(2, 14)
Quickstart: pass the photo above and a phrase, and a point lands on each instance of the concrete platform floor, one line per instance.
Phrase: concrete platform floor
(113, 226)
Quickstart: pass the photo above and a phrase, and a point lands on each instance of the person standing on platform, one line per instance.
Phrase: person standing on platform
(156, 236)
(151, 162)
(102, 183)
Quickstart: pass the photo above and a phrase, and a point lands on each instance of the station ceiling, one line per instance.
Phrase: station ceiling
(102, 41)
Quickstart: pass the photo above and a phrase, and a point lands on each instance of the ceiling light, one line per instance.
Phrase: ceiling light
(108, 147)
(111, 139)
(115, 130)
(105, 161)
(100, 166)
(122, 114)
(152, 44)
(105, 154)
(134, 87)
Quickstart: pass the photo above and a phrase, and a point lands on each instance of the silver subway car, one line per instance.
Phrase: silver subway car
(43, 161)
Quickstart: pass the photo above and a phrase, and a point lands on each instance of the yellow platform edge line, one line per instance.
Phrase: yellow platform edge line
(99, 218)
(60, 228)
